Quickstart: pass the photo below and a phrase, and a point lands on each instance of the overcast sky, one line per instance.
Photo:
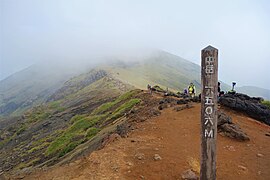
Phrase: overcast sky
(41, 30)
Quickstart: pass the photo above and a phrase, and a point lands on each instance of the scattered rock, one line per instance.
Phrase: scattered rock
(155, 112)
(169, 93)
(157, 157)
(167, 100)
(135, 140)
(267, 134)
(243, 168)
(230, 148)
(115, 167)
(259, 155)
(46, 124)
(162, 106)
(182, 95)
(182, 101)
(122, 129)
(108, 139)
(156, 149)
(180, 108)
(129, 163)
(189, 175)
(196, 99)
(162, 101)
(139, 156)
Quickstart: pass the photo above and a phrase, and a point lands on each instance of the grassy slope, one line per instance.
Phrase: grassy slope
(66, 132)
(162, 68)
(86, 126)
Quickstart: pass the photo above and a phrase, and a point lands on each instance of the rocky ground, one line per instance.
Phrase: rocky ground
(249, 105)
(167, 145)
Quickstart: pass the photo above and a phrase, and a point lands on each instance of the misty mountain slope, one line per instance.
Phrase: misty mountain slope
(51, 130)
(77, 83)
(100, 86)
(42, 82)
(33, 85)
(254, 91)
(160, 68)
(48, 82)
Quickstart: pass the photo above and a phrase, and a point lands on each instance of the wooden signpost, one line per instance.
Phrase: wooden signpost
(209, 80)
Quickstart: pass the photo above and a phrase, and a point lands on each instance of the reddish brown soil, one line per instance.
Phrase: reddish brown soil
(175, 137)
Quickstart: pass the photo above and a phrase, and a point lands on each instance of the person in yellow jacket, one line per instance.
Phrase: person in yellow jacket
(191, 90)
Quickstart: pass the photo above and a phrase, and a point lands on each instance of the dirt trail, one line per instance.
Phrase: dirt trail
(175, 138)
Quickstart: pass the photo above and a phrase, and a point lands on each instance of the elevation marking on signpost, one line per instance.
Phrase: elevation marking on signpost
(209, 81)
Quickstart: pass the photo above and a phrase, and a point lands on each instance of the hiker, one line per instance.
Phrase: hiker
(167, 92)
(149, 88)
(220, 93)
(218, 89)
(191, 90)
(185, 91)
(232, 91)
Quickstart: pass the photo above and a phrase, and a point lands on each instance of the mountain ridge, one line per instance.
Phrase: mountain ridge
(34, 85)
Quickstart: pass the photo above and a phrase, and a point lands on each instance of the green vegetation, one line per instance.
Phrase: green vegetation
(38, 147)
(73, 136)
(105, 107)
(21, 129)
(124, 108)
(266, 103)
(127, 95)
(2, 143)
(158, 88)
(91, 132)
(56, 106)
(77, 118)
(43, 112)
(28, 164)
(84, 127)
(37, 114)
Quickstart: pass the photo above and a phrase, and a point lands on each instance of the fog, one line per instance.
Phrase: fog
(75, 31)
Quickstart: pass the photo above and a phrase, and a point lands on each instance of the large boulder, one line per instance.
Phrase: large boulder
(223, 119)
(233, 131)
(227, 128)
(250, 105)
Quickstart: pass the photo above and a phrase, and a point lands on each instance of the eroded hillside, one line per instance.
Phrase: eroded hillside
(72, 116)
(163, 146)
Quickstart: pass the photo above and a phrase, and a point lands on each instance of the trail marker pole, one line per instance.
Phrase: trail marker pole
(209, 80)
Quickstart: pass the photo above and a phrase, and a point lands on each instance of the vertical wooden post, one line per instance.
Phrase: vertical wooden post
(209, 80)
